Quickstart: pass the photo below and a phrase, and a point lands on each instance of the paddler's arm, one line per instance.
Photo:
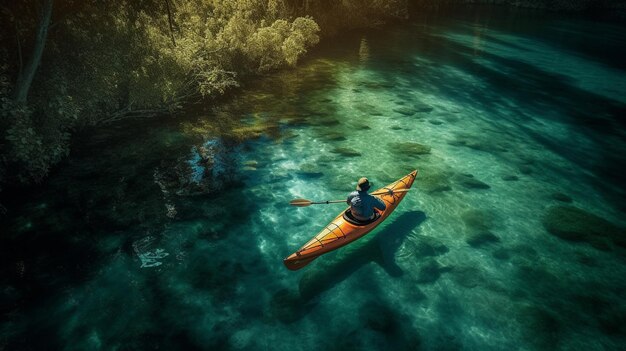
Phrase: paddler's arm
(350, 197)
(378, 203)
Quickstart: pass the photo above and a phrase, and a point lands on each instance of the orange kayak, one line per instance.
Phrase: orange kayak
(342, 231)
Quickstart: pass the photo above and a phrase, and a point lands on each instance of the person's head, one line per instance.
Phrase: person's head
(363, 184)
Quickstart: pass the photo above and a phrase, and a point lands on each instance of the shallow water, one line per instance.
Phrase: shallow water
(132, 244)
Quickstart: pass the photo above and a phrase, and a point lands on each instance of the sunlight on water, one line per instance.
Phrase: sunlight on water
(502, 127)
(595, 78)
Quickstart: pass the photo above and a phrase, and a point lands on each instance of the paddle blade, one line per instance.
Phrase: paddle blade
(300, 202)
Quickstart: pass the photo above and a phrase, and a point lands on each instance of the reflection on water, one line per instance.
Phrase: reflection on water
(148, 258)
(364, 51)
(172, 234)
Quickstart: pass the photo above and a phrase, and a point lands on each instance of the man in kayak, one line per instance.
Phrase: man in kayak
(362, 204)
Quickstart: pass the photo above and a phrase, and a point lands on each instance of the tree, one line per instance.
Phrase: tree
(281, 43)
(27, 72)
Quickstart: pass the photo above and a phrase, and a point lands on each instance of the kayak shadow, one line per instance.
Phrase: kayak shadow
(380, 249)
(328, 271)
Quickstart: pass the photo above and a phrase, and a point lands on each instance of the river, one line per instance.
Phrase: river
(170, 233)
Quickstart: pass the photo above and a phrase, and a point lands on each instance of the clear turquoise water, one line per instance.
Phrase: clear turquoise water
(134, 244)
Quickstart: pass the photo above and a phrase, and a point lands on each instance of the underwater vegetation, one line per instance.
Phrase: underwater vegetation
(169, 233)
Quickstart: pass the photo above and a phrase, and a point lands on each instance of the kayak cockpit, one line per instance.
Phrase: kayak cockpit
(347, 215)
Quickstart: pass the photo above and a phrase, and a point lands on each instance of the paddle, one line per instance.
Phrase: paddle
(305, 202)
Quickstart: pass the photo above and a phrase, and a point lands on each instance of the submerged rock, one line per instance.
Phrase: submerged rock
(365, 107)
(310, 170)
(404, 111)
(561, 197)
(288, 135)
(510, 178)
(335, 136)
(346, 152)
(519, 254)
(478, 224)
(374, 85)
(526, 169)
(324, 122)
(429, 247)
(287, 306)
(326, 158)
(524, 253)
(250, 132)
(377, 316)
(449, 117)
(478, 144)
(241, 340)
(586, 259)
(501, 254)
(573, 224)
(421, 107)
(613, 321)
(403, 96)
(467, 277)
(468, 181)
(434, 182)
(479, 220)
(430, 272)
(540, 327)
(539, 277)
(409, 148)
(481, 238)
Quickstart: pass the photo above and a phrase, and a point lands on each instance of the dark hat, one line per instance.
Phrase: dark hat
(363, 184)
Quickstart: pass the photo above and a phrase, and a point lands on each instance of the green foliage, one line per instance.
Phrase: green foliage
(27, 146)
(109, 60)
(308, 28)
(216, 81)
(303, 35)
(265, 44)
(282, 43)
(5, 89)
(32, 138)
(36, 139)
